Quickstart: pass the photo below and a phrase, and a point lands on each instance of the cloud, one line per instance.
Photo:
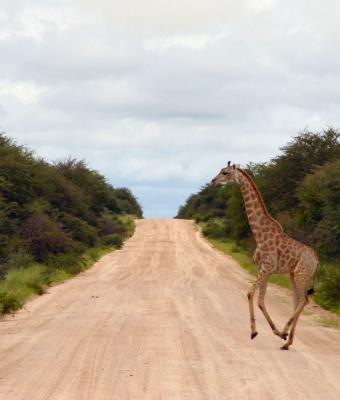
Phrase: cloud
(158, 95)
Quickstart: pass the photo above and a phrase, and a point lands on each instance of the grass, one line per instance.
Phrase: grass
(329, 322)
(129, 222)
(21, 283)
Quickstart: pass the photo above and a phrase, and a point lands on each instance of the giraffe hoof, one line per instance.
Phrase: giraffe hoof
(285, 347)
(253, 334)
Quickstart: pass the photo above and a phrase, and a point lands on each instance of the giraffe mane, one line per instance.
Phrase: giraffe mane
(249, 178)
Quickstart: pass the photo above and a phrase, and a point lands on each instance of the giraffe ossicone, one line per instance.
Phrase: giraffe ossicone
(275, 252)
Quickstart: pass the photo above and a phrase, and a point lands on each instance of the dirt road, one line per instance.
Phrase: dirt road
(166, 317)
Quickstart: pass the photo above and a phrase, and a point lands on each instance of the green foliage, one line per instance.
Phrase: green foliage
(50, 214)
(19, 259)
(328, 293)
(127, 202)
(301, 189)
(44, 236)
(279, 179)
(9, 302)
(112, 240)
(319, 195)
(214, 228)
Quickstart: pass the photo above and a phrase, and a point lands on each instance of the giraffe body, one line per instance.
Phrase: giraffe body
(276, 252)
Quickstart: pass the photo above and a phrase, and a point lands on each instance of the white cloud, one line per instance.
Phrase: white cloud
(25, 92)
(158, 95)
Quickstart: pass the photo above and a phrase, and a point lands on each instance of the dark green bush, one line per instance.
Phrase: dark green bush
(78, 229)
(328, 292)
(70, 263)
(214, 229)
(45, 236)
(112, 240)
(319, 210)
(109, 224)
(19, 259)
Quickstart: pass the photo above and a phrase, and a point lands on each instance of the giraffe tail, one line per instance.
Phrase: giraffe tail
(311, 290)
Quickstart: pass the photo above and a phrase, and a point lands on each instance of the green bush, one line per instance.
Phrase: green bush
(78, 229)
(108, 224)
(328, 292)
(9, 302)
(319, 212)
(72, 264)
(19, 259)
(214, 229)
(112, 240)
(44, 236)
(23, 282)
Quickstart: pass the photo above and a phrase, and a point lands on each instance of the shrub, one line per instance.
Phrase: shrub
(71, 263)
(112, 240)
(9, 302)
(44, 236)
(19, 259)
(319, 211)
(25, 281)
(80, 230)
(214, 230)
(328, 293)
(109, 225)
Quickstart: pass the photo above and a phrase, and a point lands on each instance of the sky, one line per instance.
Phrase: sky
(159, 95)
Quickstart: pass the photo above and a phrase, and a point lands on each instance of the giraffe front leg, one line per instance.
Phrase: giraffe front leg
(250, 296)
(261, 304)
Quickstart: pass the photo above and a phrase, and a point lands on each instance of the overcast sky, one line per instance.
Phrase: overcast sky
(159, 95)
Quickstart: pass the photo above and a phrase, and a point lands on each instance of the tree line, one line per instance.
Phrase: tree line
(51, 213)
(301, 189)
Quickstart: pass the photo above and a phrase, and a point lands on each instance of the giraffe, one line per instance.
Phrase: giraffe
(275, 252)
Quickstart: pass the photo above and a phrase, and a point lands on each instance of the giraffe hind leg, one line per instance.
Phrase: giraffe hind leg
(300, 281)
(284, 334)
(297, 313)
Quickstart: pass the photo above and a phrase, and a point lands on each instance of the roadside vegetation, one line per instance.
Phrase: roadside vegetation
(301, 189)
(55, 221)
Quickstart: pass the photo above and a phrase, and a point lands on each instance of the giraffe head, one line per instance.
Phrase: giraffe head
(227, 174)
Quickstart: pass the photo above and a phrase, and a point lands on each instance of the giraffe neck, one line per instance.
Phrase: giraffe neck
(259, 218)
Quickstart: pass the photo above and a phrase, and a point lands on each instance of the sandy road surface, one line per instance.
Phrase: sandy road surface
(164, 318)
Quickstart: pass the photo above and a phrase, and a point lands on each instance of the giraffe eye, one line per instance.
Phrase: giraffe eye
(225, 173)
